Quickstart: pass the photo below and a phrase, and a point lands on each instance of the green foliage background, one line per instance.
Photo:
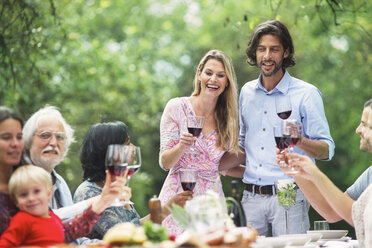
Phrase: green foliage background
(101, 60)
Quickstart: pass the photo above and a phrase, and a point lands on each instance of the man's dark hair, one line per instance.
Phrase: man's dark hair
(278, 29)
(93, 149)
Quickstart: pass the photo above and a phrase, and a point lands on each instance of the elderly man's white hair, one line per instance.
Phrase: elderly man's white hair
(33, 122)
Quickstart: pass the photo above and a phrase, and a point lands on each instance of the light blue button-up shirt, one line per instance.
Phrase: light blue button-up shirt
(257, 116)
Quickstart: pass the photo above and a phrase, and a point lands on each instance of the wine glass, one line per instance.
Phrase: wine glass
(283, 106)
(286, 198)
(132, 156)
(188, 178)
(291, 135)
(117, 165)
(194, 126)
(280, 143)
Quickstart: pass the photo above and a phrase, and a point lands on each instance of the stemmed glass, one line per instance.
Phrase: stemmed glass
(194, 126)
(133, 158)
(291, 135)
(117, 165)
(188, 178)
(280, 143)
(287, 198)
(283, 106)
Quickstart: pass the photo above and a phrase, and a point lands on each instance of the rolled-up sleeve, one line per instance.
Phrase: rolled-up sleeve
(315, 125)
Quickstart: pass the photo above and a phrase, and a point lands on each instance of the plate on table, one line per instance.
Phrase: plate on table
(280, 242)
(312, 236)
(330, 234)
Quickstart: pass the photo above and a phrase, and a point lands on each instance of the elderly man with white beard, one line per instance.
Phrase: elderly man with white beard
(47, 138)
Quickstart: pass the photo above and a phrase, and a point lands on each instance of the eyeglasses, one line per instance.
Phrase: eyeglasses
(46, 135)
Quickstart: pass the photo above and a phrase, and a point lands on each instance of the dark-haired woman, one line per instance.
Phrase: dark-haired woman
(11, 146)
(92, 157)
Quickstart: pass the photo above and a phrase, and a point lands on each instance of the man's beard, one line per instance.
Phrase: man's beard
(48, 165)
(276, 69)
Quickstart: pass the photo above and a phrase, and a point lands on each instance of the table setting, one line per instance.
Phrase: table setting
(321, 236)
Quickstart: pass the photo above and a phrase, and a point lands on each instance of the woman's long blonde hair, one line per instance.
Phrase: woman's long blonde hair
(226, 111)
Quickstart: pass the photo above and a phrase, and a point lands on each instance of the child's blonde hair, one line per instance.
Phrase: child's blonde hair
(26, 174)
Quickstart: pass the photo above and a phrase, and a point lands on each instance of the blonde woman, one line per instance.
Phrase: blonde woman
(215, 98)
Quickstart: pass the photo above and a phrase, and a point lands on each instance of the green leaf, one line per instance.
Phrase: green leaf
(179, 214)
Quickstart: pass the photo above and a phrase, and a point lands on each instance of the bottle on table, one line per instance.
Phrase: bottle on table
(155, 210)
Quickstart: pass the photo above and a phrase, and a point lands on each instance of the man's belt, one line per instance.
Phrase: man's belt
(261, 189)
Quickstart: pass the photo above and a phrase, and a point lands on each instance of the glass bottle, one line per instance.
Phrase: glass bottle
(155, 210)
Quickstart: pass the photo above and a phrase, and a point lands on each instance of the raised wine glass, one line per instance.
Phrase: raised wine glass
(188, 178)
(291, 135)
(280, 143)
(286, 198)
(133, 158)
(116, 164)
(283, 106)
(194, 126)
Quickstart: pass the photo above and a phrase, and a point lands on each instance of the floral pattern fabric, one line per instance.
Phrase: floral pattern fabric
(110, 217)
(206, 162)
(81, 225)
(7, 210)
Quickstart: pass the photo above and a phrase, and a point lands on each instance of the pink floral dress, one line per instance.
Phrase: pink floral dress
(173, 124)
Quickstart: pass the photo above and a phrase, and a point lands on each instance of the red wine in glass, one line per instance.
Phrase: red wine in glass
(188, 185)
(283, 106)
(133, 158)
(117, 169)
(284, 115)
(194, 126)
(116, 164)
(188, 178)
(281, 143)
(195, 131)
(291, 134)
(133, 169)
(294, 141)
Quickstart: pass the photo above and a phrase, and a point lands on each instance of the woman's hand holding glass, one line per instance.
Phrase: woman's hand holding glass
(186, 141)
(110, 192)
(195, 126)
(117, 165)
(126, 193)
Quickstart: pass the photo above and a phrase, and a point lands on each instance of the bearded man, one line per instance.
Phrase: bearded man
(271, 50)
(47, 138)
